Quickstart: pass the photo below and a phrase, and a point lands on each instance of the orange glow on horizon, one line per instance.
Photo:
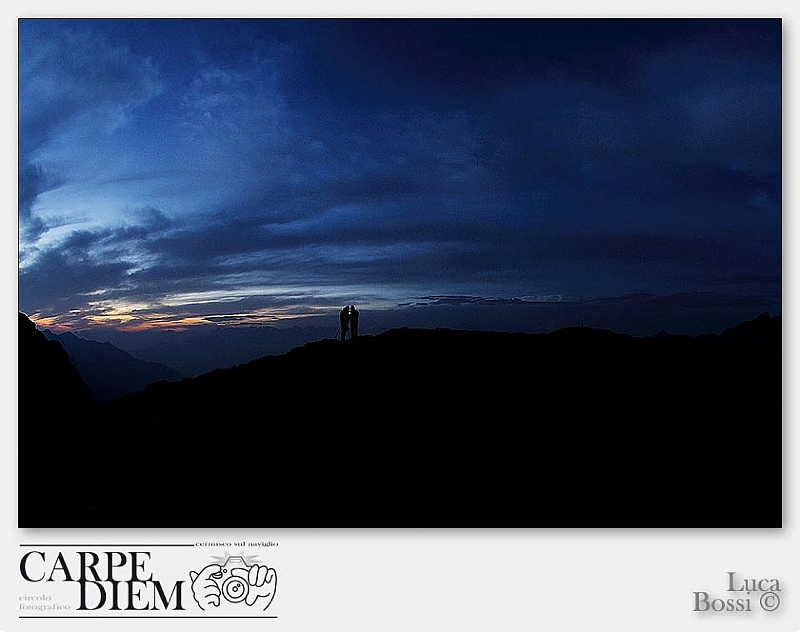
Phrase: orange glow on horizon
(75, 321)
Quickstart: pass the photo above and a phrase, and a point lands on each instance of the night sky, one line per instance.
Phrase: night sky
(517, 174)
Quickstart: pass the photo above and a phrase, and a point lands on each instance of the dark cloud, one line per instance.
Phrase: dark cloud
(32, 182)
(73, 80)
(87, 265)
(60, 282)
(75, 86)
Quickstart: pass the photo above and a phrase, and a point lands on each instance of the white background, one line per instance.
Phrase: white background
(525, 579)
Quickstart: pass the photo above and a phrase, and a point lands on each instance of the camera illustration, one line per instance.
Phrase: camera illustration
(239, 580)
(233, 588)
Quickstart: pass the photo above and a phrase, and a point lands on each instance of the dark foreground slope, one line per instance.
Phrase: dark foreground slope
(54, 408)
(439, 428)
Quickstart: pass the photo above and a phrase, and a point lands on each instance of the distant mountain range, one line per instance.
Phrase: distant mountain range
(109, 371)
(580, 427)
(203, 348)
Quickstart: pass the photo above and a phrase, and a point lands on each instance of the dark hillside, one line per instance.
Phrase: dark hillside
(54, 406)
(442, 428)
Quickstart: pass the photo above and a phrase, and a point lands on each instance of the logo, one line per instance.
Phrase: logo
(113, 582)
(238, 580)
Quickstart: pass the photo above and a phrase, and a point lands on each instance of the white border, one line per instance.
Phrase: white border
(453, 580)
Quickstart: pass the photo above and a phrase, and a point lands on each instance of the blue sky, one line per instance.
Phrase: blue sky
(474, 173)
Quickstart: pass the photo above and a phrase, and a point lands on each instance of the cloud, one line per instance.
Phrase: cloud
(76, 83)
(32, 181)
(75, 87)
(693, 107)
(60, 282)
(88, 264)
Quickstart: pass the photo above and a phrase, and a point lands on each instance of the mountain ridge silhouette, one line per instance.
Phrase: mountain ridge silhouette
(109, 371)
(451, 428)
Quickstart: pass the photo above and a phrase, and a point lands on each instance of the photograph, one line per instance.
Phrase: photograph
(400, 273)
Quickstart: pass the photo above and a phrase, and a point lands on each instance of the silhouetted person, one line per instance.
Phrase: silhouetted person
(353, 322)
(344, 319)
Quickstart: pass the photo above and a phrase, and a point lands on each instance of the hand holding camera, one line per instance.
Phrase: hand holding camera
(236, 581)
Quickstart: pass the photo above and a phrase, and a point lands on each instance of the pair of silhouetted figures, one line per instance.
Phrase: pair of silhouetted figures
(348, 317)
